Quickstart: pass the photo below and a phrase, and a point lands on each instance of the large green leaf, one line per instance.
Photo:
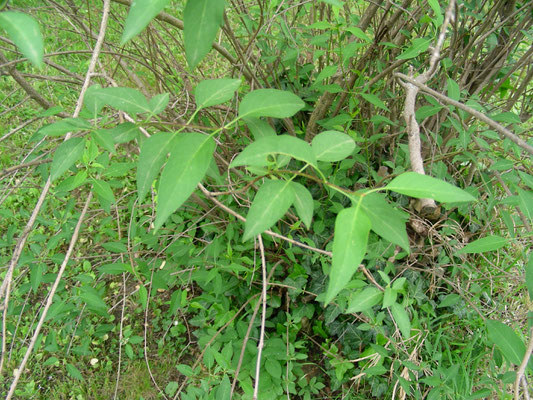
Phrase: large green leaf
(423, 186)
(270, 103)
(365, 300)
(65, 156)
(402, 319)
(124, 99)
(256, 153)
(64, 126)
(158, 103)
(332, 146)
(271, 202)
(153, 153)
(140, 14)
(259, 128)
(188, 162)
(24, 31)
(303, 203)
(507, 340)
(387, 221)
(215, 91)
(488, 243)
(201, 20)
(349, 247)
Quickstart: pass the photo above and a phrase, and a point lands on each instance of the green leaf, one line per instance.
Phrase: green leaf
(74, 372)
(375, 100)
(115, 268)
(123, 133)
(488, 243)
(365, 300)
(224, 389)
(158, 103)
(103, 190)
(273, 368)
(64, 126)
(143, 296)
(270, 103)
(154, 151)
(92, 298)
(507, 340)
(419, 46)
(359, 33)
(188, 162)
(36, 276)
(434, 4)
(389, 297)
(124, 99)
(349, 247)
(24, 31)
(215, 91)
(115, 247)
(140, 14)
(271, 202)
(332, 146)
(185, 369)
(454, 92)
(256, 153)
(66, 156)
(387, 221)
(423, 186)
(303, 203)
(104, 140)
(259, 128)
(201, 20)
(402, 320)
(450, 300)
(529, 276)
(525, 200)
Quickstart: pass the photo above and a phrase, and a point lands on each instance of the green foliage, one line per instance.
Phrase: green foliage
(24, 31)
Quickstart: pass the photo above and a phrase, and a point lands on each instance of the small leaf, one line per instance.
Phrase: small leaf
(450, 300)
(201, 20)
(36, 276)
(74, 372)
(273, 368)
(419, 46)
(365, 300)
(185, 369)
(488, 243)
(389, 297)
(66, 156)
(123, 133)
(256, 153)
(454, 92)
(387, 221)
(259, 128)
(115, 247)
(224, 389)
(92, 298)
(158, 103)
(140, 14)
(303, 203)
(24, 31)
(153, 154)
(375, 100)
(270, 103)
(529, 276)
(103, 190)
(507, 340)
(271, 202)
(423, 186)
(332, 146)
(189, 160)
(402, 320)
(525, 200)
(215, 91)
(124, 99)
(115, 268)
(143, 296)
(349, 247)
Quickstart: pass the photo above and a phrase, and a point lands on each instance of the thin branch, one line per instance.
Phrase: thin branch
(506, 133)
(263, 318)
(522, 369)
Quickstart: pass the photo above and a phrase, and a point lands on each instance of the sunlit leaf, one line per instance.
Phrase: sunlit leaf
(188, 162)
(158, 103)
(303, 203)
(488, 243)
(332, 146)
(24, 31)
(66, 156)
(271, 202)
(349, 247)
(215, 91)
(365, 300)
(140, 14)
(419, 45)
(201, 20)
(259, 128)
(270, 103)
(402, 319)
(124, 99)
(507, 340)
(423, 186)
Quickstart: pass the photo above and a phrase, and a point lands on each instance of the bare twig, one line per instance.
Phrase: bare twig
(523, 366)
(263, 318)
